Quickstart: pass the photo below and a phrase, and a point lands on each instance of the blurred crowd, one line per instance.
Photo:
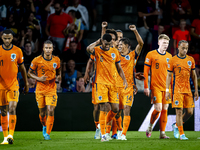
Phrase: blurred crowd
(177, 19)
(67, 22)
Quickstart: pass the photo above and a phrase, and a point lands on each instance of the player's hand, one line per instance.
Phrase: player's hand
(146, 92)
(58, 78)
(104, 24)
(42, 78)
(196, 95)
(86, 78)
(167, 96)
(125, 84)
(140, 76)
(26, 88)
(132, 27)
(135, 89)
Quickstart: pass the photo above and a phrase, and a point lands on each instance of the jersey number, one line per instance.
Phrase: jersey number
(43, 72)
(157, 65)
(179, 69)
(1, 62)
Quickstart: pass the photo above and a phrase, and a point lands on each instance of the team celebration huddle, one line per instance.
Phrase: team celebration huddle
(112, 63)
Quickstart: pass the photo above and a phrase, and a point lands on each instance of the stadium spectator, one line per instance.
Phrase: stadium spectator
(32, 23)
(70, 36)
(180, 9)
(156, 34)
(18, 10)
(73, 53)
(3, 12)
(1, 32)
(79, 85)
(83, 10)
(56, 23)
(181, 34)
(28, 36)
(147, 18)
(70, 75)
(50, 8)
(32, 85)
(30, 6)
(195, 31)
(28, 54)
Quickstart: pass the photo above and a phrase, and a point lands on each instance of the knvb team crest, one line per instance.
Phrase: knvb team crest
(13, 56)
(127, 57)
(113, 55)
(54, 65)
(189, 63)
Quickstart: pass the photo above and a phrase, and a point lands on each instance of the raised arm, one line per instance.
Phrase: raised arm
(22, 69)
(139, 39)
(194, 78)
(103, 30)
(90, 48)
(121, 73)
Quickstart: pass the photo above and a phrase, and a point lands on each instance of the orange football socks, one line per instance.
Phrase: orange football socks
(4, 124)
(12, 123)
(180, 129)
(154, 116)
(126, 123)
(163, 120)
(110, 116)
(119, 123)
(50, 120)
(102, 121)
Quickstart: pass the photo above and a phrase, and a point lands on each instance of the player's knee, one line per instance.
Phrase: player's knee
(96, 108)
(12, 110)
(4, 112)
(190, 112)
(115, 109)
(42, 113)
(179, 112)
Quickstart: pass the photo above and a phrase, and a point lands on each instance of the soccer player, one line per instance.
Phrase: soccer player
(183, 67)
(107, 63)
(45, 69)
(157, 61)
(10, 58)
(96, 111)
(128, 62)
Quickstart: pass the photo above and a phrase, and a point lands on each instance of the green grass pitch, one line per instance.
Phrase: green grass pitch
(85, 141)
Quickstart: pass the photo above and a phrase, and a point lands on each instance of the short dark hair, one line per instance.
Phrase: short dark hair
(126, 40)
(107, 37)
(77, 79)
(118, 30)
(112, 31)
(182, 41)
(27, 42)
(8, 31)
(74, 41)
(48, 42)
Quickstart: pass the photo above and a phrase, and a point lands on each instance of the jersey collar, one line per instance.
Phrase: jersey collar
(103, 49)
(181, 57)
(7, 49)
(160, 53)
(47, 59)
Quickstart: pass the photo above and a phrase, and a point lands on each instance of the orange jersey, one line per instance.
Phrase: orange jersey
(128, 63)
(181, 68)
(105, 65)
(158, 64)
(9, 61)
(47, 68)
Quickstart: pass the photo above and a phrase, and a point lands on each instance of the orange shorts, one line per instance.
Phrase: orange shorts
(183, 100)
(125, 96)
(158, 96)
(46, 99)
(106, 93)
(7, 96)
(93, 94)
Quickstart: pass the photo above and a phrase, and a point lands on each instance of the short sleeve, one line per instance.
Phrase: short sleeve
(20, 58)
(117, 60)
(148, 60)
(33, 64)
(92, 57)
(170, 66)
(58, 65)
(193, 64)
(194, 23)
